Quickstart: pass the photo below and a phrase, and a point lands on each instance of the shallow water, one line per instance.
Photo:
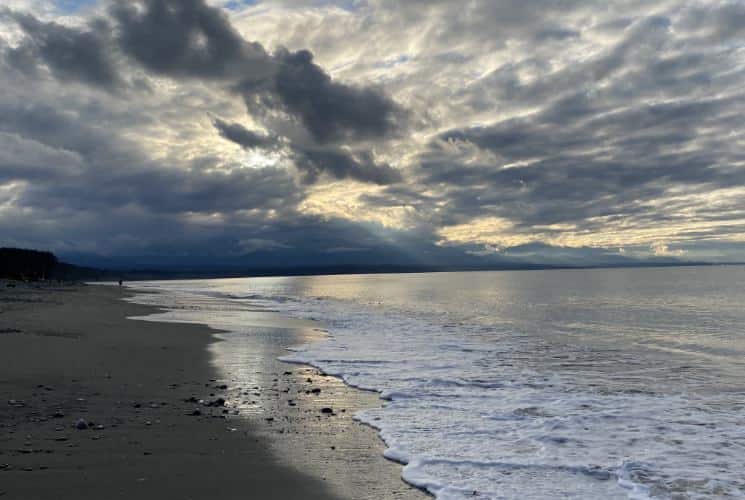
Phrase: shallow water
(623, 383)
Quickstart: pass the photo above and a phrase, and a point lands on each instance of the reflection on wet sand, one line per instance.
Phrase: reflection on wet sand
(306, 416)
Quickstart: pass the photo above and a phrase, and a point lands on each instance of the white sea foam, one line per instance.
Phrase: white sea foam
(477, 405)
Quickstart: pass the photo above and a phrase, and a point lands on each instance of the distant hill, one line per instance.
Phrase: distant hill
(25, 264)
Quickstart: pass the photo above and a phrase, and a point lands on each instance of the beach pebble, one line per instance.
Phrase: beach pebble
(327, 410)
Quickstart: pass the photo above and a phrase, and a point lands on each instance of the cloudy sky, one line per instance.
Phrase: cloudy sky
(374, 131)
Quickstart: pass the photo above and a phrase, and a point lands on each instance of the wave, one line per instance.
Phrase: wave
(476, 407)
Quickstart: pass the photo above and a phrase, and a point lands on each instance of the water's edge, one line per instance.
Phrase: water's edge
(164, 313)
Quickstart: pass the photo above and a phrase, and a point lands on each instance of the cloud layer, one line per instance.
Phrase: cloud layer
(432, 132)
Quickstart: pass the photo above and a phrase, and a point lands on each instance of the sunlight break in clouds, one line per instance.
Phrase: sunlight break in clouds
(452, 130)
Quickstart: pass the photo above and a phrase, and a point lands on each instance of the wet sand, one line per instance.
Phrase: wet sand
(151, 394)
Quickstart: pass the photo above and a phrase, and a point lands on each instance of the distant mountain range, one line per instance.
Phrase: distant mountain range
(28, 264)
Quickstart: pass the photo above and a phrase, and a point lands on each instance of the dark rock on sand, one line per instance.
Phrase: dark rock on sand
(327, 410)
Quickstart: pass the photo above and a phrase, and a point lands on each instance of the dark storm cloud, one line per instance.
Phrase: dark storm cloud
(187, 38)
(190, 38)
(312, 162)
(168, 191)
(331, 110)
(341, 164)
(89, 169)
(237, 133)
(71, 54)
(51, 127)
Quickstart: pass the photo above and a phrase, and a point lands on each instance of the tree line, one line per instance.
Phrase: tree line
(22, 264)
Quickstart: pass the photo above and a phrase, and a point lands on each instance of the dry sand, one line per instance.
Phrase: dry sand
(68, 354)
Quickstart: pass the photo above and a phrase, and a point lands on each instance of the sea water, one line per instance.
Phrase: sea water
(621, 383)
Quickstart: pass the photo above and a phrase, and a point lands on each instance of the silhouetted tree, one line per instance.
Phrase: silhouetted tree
(22, 264)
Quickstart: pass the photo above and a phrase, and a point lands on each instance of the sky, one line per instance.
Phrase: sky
(291, 133)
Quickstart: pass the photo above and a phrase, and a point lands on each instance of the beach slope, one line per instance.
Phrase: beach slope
(93, 405)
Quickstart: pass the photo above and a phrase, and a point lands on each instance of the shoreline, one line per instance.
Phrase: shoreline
(289, 410)
(70, 355)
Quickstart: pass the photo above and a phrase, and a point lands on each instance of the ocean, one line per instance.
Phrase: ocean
(604, 383)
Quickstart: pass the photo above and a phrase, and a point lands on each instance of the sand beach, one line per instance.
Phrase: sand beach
(95, 405)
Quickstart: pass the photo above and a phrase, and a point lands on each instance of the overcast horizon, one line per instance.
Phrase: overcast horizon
(368, 132)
